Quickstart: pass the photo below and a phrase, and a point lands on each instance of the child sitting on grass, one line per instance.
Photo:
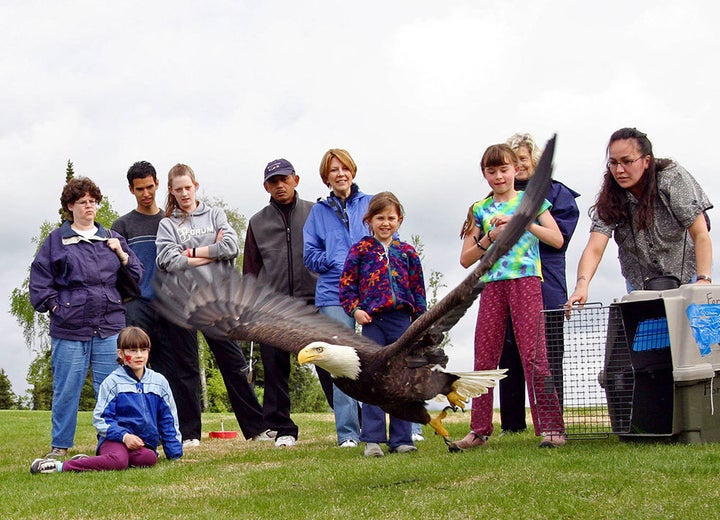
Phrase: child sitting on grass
(135, 411)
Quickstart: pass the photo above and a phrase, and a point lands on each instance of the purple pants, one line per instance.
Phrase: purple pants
(522, 299)
(113, 456)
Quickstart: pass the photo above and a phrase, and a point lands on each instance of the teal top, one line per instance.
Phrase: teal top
(523, 259)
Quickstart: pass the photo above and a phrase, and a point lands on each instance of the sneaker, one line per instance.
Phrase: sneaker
(44, 466)
(56, 453)
(417, 437)
(267, 435)
(553, 440)
(350, 443)
(403, 448)
(79, 456)
(373, 449)
(190, 443)
(471, 440)
(285, 441)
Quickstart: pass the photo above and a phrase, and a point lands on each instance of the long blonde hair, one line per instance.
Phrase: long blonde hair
(179, 170)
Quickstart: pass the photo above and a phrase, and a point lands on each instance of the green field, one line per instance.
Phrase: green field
(223, 479)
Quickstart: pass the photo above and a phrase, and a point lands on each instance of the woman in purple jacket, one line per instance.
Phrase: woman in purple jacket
(73, 278)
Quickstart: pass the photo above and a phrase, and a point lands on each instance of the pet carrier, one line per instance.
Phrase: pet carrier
(635, 368)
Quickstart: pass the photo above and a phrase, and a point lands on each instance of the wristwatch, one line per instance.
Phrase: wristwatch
(704, 277)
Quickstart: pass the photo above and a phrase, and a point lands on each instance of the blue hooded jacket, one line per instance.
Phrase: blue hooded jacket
(145, 408)
(329, 232)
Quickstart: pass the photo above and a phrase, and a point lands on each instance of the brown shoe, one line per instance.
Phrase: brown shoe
(553, 440)
(471, 440)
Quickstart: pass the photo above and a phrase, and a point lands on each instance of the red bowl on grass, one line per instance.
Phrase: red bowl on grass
(223, 435)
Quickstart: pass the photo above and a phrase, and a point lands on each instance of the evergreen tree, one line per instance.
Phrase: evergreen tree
(8, 400)
(40, 379)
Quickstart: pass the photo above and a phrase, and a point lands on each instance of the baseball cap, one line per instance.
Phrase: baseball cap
(278, 167)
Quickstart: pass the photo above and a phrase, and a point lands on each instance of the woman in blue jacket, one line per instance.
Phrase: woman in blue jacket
(335, 224)
(73, 278)
(135, 412)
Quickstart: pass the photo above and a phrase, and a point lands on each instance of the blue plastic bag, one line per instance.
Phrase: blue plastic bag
(705, 325)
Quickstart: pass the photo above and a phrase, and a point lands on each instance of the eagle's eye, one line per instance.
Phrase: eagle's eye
(320, 349)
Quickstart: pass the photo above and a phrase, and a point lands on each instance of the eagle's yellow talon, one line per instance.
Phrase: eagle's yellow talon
(456, 400)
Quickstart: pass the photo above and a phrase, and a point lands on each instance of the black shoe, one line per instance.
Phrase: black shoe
(512, 432)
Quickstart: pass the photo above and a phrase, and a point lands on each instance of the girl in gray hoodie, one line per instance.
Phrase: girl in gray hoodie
(195, 236)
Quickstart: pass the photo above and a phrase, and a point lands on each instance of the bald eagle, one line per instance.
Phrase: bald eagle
(400, 377)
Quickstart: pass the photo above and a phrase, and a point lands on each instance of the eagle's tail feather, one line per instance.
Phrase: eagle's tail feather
(474, 384)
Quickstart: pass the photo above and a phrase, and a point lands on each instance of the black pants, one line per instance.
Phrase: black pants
(276, 400)
(512, 387)
(234, 369)
(174, 354)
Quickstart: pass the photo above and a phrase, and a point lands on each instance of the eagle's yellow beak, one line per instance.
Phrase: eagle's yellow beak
(307, 355)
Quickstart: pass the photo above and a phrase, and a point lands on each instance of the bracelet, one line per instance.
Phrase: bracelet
(477, 243)
(490, 237)
(194, 255)
(704, 277)
(188, 252)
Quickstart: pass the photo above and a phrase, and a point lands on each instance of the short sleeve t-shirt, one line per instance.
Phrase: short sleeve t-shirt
(523, 259)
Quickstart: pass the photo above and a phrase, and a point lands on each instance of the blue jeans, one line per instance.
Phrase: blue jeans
(347, 422)
(385, 328)
(70, 361)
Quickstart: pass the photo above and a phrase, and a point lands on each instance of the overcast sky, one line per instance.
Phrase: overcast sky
(414, 90)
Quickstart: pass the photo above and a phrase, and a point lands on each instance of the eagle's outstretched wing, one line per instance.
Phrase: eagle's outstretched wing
(445, 314)
(241, 308)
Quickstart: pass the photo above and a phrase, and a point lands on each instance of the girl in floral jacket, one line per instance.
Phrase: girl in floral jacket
(383, 289)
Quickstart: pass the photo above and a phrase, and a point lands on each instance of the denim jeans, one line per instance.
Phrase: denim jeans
(347, 422)
(385, 328)
(70, 361)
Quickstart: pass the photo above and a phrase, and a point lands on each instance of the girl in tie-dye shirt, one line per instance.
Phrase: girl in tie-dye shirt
(513, 287)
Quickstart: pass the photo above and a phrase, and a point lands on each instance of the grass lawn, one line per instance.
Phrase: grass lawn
(222, 479)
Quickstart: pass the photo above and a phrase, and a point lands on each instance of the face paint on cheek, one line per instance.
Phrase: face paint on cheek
(128, 359)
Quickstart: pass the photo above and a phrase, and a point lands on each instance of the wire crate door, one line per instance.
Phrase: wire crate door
(590, 370)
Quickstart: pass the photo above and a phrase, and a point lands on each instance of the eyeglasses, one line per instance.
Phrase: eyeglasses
(86, 203)
(612, 164)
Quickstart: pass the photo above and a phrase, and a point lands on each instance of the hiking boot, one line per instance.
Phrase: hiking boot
(56, 453)
(44, 466)
(471, 440)
(403, 448)
(373, 449)
(553, 440)
(285, 441)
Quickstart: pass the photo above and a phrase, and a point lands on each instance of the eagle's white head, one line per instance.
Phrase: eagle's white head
(339, 360)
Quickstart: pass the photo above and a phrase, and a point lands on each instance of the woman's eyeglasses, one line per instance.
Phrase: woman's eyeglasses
(612, 164)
